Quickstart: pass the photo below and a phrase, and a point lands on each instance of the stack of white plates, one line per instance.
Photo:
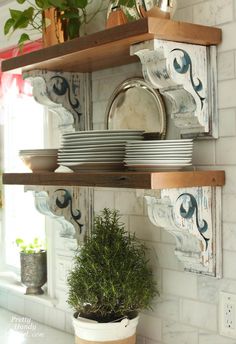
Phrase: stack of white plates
(159, 155)
(96, 149)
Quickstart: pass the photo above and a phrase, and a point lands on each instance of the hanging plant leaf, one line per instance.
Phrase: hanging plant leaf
(77, 3)
(43, 4)
(127, 3)
(15, 14)
(23, 38)
(73, 28)
(70, 15)
(21, 1)
(58, 3)
(21, 23)
(29, 13)
(8, 25)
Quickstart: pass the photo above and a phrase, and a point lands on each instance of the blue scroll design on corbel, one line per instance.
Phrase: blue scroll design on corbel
(61, 87)
(189, 213)
(68, 203)
(193, 217)
(185, 75)
(65, 94)
(184, 68)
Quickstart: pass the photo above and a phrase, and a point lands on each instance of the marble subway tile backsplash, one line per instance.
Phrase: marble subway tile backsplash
(226, 65)
(209, 338)
(186, 312)
(180, 278)
(174, 333)
(227, 123)
(199, 314)
(150, 327)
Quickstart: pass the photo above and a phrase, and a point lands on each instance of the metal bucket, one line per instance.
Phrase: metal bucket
(34, 271)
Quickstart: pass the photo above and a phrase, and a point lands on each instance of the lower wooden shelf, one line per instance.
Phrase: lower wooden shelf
(135, 180)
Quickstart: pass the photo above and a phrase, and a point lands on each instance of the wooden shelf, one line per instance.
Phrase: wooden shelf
(136, 180)
(110, 48)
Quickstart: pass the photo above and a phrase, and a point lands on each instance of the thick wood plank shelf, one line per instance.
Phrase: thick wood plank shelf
(110, 48)
(136, 180)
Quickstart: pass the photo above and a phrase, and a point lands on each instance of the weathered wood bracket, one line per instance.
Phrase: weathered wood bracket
(186, 75)
(67, 205)
(63, 93)
(193, 217)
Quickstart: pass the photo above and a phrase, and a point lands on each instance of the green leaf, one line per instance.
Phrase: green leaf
(39, 3)
(15, 14)
(73, 28)
(36, 241)
(29, 13)
(127, 3)
(58, 3)
(23, 38)
(21, 1)
(21, 23)
(44, 4)
(70, 15)
(77, 3)
(8, 25)
(19, 241)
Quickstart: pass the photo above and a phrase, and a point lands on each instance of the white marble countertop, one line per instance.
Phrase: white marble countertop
(19, 329)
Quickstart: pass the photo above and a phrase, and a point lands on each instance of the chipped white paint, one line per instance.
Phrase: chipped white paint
(192, 216)
(66, 94)
(186, 75)
(68, 205)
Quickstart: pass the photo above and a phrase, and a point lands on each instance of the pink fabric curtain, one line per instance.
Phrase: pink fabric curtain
(10, 80)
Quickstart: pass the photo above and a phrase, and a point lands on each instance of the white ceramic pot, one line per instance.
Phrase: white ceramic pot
(87, 330)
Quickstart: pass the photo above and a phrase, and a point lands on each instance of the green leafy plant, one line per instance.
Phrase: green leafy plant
(129, 7)
(110, 278)
(127, 3)
(72, 12)
(35, 246)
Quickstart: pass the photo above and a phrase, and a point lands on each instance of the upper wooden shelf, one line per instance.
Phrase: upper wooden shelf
(110, 48)
(135, 180)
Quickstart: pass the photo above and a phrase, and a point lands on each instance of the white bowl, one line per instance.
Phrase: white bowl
(33, 152)
(40, 163)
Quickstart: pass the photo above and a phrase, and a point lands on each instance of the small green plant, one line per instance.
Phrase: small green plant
(35, 246)
(129, 8)
(72, 12)
(110, 278)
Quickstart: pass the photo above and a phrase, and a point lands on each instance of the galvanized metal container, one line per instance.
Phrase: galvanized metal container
(34, 271)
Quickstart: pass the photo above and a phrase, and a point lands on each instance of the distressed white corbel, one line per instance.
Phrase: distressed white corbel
(193, 217)
(65, 94)
(186, 75)
(67, 205)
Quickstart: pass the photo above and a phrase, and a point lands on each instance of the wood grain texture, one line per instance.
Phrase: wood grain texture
(110, 48)
(135, 180)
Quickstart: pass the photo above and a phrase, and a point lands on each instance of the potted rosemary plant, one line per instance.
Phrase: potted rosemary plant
(33, 259)
(110, 283)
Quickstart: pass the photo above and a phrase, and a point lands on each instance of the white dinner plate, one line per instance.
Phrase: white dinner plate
(92, 142)
(97, 139)
(107, 131)
(159, 151)
(140, 145)
(90, 159)
(158, 154)
(156, 162)
(108, 146)
(97, 166)
(161, 142)
(98, 155)
(153, 168)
